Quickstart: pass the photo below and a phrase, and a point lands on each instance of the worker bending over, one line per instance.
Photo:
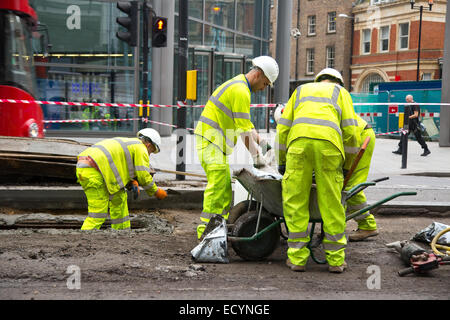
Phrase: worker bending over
(226, 116)
(367, 227)
(317, 122)
(106, 168)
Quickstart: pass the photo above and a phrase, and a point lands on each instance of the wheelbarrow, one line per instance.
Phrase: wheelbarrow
(254, 226)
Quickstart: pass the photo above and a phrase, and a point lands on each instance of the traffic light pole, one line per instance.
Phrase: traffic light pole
(182, 68)
(145, 12)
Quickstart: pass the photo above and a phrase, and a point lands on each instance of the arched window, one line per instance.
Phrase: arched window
(370, 78)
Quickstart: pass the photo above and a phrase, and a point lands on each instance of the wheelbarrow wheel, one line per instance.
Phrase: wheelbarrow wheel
(263, 246)
(239, 209)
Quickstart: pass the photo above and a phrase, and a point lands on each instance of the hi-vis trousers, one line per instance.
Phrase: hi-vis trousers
(218, 192)
(102, 205)
(365, 221)
(304, 156)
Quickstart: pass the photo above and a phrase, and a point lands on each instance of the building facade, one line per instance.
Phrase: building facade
(385, 42)
(320, 38)
(86, 62)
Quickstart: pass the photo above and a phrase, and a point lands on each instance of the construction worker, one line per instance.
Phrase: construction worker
(226, 116)
(367, 226)
(107, 168)
(316, 123)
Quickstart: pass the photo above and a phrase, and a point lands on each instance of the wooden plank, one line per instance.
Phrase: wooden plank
(42, 146)
(23, 155)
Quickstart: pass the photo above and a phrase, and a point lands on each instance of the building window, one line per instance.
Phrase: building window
(369, 82)
(384, 38)
(403, 35)
(331, 22)
(427, 76)
(330, 57)
(310, 61)
(311, 25)
(366, 41)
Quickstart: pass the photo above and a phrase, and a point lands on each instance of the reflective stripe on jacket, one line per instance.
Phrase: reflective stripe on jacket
(226, 114)
(120, 160)
(320, 110)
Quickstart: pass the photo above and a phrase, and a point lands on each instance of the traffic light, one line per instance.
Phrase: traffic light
(130, 22)
(159, 32)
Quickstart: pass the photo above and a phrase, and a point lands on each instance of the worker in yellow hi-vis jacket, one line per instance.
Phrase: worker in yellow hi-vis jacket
(316, 123)
(367, 227)
(104, 171)
(226, 116)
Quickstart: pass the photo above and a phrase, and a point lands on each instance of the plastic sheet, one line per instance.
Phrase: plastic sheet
(427, 234)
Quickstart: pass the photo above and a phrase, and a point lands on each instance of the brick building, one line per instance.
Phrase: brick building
(324, 40)
(385, 42)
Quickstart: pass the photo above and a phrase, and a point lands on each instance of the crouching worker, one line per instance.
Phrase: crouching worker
(106, 168)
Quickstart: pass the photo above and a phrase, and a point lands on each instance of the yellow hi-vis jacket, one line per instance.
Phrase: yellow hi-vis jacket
(351, 151)
(319, 110)
(120, 160)
(226, 114)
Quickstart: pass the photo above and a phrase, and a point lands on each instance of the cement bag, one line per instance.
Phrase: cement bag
(427, 234)
(213, 247)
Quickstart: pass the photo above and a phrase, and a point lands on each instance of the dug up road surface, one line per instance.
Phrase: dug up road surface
(155, 263)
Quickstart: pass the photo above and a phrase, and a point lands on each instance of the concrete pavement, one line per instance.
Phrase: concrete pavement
(429, 176)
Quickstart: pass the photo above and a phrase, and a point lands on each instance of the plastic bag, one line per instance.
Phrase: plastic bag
(427, 234)
(213, 247)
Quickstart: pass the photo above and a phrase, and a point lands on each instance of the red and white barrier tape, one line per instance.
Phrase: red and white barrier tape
(126, 105)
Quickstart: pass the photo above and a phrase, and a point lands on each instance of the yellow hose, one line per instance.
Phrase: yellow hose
(434, 246)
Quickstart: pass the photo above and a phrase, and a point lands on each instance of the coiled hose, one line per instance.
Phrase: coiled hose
(435, 246)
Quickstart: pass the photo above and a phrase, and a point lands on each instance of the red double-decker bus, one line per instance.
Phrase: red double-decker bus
(17, 78)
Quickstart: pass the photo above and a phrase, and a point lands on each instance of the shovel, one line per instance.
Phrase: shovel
(213, 247)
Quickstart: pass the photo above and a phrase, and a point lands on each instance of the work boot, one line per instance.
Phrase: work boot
(398, 151)
(295, 267)
(360, 234)
(425, 152)
(337, 269)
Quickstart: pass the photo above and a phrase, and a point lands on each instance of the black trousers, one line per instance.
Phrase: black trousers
(414, 129)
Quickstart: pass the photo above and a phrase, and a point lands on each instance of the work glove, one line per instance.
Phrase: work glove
(265, 146)
(282, 169)
(160, 194)
(133, 186)
(259, 161)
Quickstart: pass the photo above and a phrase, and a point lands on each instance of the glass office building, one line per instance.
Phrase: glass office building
(86, 62)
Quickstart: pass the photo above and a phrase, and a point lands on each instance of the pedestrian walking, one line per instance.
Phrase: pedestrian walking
(317, 120)
(412, 115)
(107, 168)
(226, 116)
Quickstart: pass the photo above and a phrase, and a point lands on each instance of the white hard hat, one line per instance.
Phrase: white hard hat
(331, 72)
(269, 66)
(152, 135)
(278, 112)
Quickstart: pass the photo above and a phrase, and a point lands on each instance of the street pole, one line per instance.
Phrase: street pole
(404, 136)
(182, 68)
(145, 13)
(418, 49)
(444, 132)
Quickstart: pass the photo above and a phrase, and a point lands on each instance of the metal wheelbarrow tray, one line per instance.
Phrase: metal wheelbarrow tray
(254, 225)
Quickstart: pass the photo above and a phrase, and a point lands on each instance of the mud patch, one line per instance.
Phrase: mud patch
(144, 222)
